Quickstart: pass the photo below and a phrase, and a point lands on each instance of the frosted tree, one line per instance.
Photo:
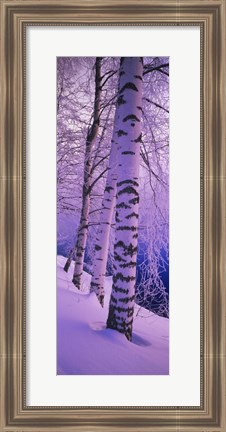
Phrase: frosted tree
(95, 105)
(75, 116)
(149, 287)
(103, 234)
(153, 251)
(87, 180)
(129, 103)
(69, 134)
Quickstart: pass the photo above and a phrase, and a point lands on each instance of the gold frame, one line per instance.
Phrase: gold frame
(15, 415)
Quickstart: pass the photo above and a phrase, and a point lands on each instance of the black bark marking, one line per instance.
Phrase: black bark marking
(97, 247)
(121, 133)
(94, 284)
(134, 200)
(67, 265)
(131, 117)
(128, 249)
(101, 299)
(129, 216)
(120, 309)
(85, 227)
(138, 139)
(126, 228)
(118, 258)
(120, 290)
(128, 86)
(127, 299)
(80, 248)
(77, 280)
(134, 183)
(108, 189)
(121, 100)
(130, 264)
(120, 276)
(128, 190)
(131, 250)
(128, 153)
(123, 205)
(113, 299)
(138, 77)
(116, 217)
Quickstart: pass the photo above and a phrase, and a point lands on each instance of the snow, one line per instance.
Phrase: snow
(86, 347)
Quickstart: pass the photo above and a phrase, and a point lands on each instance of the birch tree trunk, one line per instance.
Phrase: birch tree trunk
(68, 262)
(84, 218)
(121, 306)
(103, 234)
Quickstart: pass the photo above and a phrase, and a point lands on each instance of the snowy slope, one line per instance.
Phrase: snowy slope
(86, 347)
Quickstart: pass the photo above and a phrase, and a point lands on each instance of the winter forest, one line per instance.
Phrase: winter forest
(112, 215)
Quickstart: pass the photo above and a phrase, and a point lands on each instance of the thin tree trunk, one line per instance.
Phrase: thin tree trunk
(84, 219)
(103, 234)
(121, 307)
(68, 262)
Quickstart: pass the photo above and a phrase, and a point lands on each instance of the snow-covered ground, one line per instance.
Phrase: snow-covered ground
(86, 347)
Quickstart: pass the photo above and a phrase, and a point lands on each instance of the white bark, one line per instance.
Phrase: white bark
(103, 234)
(121, 307)
(84, 219)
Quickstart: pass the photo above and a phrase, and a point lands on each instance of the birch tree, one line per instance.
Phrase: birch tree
(75, 106)
(103, 233)
(87, 180)
(129, 103)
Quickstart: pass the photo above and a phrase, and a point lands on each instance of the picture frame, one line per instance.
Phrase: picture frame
(209, 15)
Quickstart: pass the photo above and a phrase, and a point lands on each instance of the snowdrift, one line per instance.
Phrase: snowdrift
(86, 347)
